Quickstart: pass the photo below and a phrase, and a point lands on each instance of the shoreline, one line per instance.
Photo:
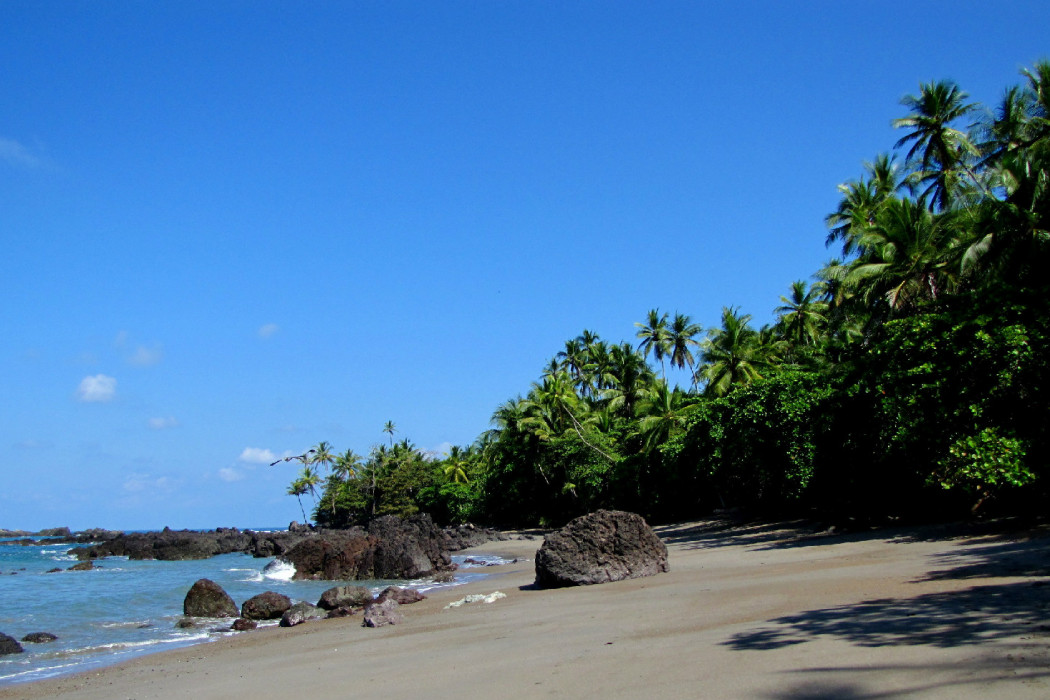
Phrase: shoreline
(751, 610)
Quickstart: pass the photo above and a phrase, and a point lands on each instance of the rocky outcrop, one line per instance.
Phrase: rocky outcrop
(9, 645)
(274, 544)
(459, 537)
(401, 596)
(83, 566)
(39, 638)
(168, 545)
(265, 606)
(207, 599)
(381, 613)
(392, 548)
(600, 547)
(300, 613)
(345, 597)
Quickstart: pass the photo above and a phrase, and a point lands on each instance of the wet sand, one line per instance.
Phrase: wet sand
(747, 611)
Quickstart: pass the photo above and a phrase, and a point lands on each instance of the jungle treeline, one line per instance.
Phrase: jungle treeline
(907, 379)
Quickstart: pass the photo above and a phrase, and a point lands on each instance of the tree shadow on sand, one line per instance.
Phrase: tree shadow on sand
(976, 615)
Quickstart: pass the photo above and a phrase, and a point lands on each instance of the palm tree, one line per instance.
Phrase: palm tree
(389, 428)
(297, 489)
(682, 338)
(346, 465)
(802, 316)
(456, 466)
(731, 354)
(630, 376)
(861, 201)
(655, 336)
(660, 414)
(323, 454)
(938, 150)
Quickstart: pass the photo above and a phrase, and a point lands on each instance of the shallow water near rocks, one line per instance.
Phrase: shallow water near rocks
(125, 608)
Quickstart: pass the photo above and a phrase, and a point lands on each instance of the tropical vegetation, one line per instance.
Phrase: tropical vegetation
(908, 378)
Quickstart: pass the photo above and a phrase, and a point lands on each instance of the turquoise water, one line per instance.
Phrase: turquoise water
(124, 608)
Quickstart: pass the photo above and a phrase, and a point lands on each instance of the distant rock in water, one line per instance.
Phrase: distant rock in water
(207, 599)
(169, 545)
(83, 566)
(265, 606)
(604, 546)
(39, 638)
(9, 645)
(392, 548)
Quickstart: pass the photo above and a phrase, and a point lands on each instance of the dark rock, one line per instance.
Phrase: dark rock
(243, 625)
(207, 599)
(443, 577)
(333, 556)
(39, 637)
(51, 571)
(408, 548)
(186, 623)
(600, 547)
(55, 532)
(168, 545)
(295, 527)
(382, 613)
(83, 566)
(265, 606)
(402, 596)
(342, 611)
(274, 544)
(345, 596)
(459, 537)
(9, 645)
(300, 613)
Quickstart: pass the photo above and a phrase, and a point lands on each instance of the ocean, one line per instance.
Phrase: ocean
(125, 608)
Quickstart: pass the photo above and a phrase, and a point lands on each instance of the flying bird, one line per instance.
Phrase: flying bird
(301, 458)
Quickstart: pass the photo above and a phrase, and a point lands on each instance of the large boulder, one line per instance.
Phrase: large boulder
(39, 637)
(381, 613)
(345, 597)
(606, 545)
(207, 599)
(408, 548)
(169, 545)
(392, 548)
(265, 606)
(402, 596)
(9, 645)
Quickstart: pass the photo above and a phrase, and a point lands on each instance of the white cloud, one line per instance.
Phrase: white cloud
(268, 330)
(163, 422)
(98, 388)
(146, 357)
(138, 483)
(14, 153)
(257, 455)
(230, 474)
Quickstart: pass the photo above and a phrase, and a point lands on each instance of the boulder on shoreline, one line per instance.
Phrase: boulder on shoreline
(392, 548)
(9, 645)
(208, 599)
(381, 613)
(300, 613)
(39, 637)
(345, 597)
(604, 546)
(265, 606)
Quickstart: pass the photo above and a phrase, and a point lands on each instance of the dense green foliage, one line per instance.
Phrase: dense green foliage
(908, 379)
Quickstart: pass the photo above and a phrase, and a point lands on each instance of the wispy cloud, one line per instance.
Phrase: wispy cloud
(97, 388)
(139, 483)
(230, 474)
(163, 423)
(268, 330)
(146, 357)
(14, 153)
(257, 455)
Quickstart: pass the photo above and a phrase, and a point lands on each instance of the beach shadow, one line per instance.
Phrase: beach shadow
(1028, 557)
(829, 683)
(973, 616)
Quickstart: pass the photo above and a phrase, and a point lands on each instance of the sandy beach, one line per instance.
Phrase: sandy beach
(747, 611)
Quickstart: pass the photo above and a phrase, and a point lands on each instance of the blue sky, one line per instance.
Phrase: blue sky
(233, 229)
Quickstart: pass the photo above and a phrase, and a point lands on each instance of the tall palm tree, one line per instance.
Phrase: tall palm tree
(346, 465)
(389, 428)
(940, 152)
(456, 464)
(323, 454)
(802, 315)
(731, 354)
(861, 201)
(682, 338)
(655, 336)
(660, 414)
(298, 488)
